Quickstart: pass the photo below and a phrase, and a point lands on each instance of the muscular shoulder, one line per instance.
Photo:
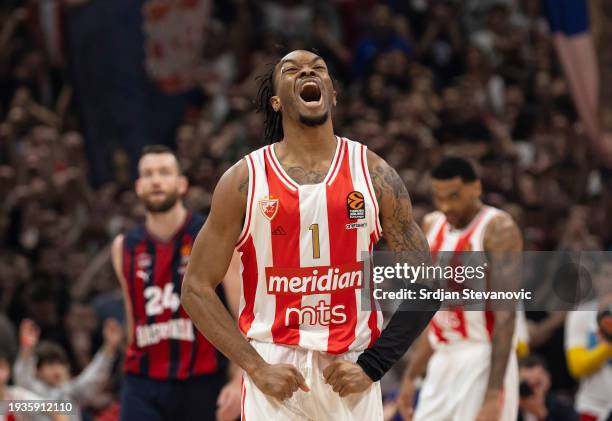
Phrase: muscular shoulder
(237, 175)
(230, 197)
(235, 181)
(386, 182)
(502, 234)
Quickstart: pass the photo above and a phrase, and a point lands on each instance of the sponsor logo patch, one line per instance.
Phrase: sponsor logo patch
(279, 231)
(355, 205)
(143, 260)
(356, 225)
(314, 280)
(185, 250)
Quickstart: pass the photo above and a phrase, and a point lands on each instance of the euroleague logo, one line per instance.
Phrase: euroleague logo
(355, 205)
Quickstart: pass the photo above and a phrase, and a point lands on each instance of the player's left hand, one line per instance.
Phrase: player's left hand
(228, 402)
(346, 377)
(490, 409)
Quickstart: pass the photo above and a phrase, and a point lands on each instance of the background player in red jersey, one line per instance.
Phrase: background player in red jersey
(172, 371)
(303, 219)
(472, 373)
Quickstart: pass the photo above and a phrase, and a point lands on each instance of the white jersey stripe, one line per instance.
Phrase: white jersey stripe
(314, 229)
(250, 194)
(336, 164)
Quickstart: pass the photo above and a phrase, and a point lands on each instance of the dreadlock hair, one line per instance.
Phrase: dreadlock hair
(273, 125)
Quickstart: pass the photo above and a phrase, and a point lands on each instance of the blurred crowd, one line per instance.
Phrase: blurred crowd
(416, 80)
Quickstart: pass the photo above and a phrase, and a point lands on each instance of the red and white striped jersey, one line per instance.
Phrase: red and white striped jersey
(454, 326)
(301, 250)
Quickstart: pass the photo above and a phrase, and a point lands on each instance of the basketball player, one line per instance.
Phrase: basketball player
(172, 371)
(472, 373)
(300, 212)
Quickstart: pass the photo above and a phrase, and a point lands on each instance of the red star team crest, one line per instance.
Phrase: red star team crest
(269, 207)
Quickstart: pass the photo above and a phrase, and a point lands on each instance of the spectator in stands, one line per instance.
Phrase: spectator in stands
(588, 345)
(10, 394)
(43, 367)
(536, 402)
(382, 37)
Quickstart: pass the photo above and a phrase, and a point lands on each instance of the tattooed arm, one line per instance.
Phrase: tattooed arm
(404, 236)
(208, 265)
(210, 259)
(503, 244)
(400, 230)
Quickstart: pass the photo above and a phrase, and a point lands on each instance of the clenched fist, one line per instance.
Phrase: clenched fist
(346, 377)
(279, 380)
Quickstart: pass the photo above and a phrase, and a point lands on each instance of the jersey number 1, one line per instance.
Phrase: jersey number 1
(316, 249)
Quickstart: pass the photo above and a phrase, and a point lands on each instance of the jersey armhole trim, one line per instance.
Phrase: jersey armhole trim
(366, 174)
(336, 162)
(250, 196)
(488, 214)
(278, 169)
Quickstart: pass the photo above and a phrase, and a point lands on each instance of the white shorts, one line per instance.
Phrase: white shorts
(456, 383)
(321, 403)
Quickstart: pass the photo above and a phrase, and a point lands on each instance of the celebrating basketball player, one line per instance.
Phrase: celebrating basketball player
(164, 347)
(472, 373)
(300, 212)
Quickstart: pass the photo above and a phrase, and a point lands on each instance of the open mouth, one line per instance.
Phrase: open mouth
(310, 92)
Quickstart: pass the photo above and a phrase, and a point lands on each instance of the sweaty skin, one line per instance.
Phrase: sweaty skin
(305, 152)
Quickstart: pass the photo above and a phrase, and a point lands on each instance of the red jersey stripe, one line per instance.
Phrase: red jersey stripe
(343, 249)
(248, 256)
(438, 331)
(490, 322)
(373, 319)
(278, 169)
(285, 252)
(160, 352)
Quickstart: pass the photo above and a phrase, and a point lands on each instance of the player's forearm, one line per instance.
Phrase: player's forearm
(419, 357)
(214, 322)
(501, 346)
(411, 317)
(405, 326)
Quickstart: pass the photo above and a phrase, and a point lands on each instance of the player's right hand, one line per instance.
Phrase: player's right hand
(406, 398)
(279, 380)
